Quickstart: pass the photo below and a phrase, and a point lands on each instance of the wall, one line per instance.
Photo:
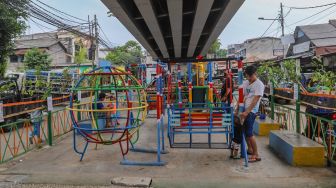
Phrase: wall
(58, 55)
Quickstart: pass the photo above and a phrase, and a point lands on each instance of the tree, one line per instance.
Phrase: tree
(129, 53)
(3, 68)
(215, 47)
(12, 15)
(81, 56)
(37, 59)
(221, 53)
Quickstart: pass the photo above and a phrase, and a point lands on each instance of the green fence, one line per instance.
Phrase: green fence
(295, 119)
(16, 138)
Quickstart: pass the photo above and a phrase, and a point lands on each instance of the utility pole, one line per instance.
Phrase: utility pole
(282, 20)
(91, 54)
(96, 59)
(94, 36)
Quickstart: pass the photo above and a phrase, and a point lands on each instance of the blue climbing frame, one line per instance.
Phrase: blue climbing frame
(209, 118)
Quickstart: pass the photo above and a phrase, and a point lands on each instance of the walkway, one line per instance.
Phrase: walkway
(186, 167)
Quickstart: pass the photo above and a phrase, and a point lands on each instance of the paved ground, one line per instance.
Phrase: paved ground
(186, 167)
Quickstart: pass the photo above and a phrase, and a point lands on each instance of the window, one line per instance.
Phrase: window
(68, 59)
(13, 58)
(21, 58)
(300, 34)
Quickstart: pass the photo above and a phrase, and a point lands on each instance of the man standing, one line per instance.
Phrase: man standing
(254, 90)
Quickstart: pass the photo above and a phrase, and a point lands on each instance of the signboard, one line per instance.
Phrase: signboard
(296, 91)
(278, 52)
(1, 112)
(298, 67)
(302, 47)
(50, 104)
(287, 39)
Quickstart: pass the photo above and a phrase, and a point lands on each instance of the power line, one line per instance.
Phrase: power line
(318, 6)
(330, 13)
(304, 18)
(58, 16)
(41, 25)
(288, 13)
(312, 15)
(54, 18)
(61, 11)
(104, 34)
(268, 28)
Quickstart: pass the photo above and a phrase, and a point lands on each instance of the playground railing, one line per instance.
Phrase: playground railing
(316, 128)
(200, 119)
(16, 138)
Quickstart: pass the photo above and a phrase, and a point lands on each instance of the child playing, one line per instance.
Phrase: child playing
(112, 115)
(36, 119)
(236, 141)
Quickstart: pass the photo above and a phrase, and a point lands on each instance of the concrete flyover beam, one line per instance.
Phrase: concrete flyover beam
(146, 9)
(202, 12)
(175, 9)
(118, 12)
(227, 15)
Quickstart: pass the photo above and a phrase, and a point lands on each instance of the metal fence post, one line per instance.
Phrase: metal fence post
(79, 117)
(50, 134)
(329, 144)
(297, 97)
(297, 114)
(272, 100)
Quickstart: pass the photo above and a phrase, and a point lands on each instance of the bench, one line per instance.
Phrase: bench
(296, 149)
(262, 127)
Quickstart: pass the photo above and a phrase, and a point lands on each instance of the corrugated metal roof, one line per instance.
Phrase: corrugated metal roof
(320, 34)
(324, 42)
(319, 31)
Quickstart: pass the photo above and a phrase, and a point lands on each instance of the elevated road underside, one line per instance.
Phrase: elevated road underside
(174, 29)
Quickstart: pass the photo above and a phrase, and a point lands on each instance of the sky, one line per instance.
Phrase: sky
(244, 25)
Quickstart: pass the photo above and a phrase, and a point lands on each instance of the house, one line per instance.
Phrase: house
(329, 61)
(60, 45)
(257, 49)
(314, 40)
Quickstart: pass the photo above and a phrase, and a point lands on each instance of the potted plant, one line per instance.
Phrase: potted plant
(324, 81)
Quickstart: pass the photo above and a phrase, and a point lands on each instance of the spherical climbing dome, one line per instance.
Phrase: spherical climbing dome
(112, 106)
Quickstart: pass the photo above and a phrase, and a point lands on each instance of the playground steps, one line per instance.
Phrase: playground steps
(296, 149)
(262, 127)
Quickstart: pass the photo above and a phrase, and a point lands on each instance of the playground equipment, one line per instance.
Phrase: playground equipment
(198, 113)
(114, 119)
(151, 90)
(200, 110)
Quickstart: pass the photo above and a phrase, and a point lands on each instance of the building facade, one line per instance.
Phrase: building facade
(314, 40)
(60, 45)
(257, 49)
